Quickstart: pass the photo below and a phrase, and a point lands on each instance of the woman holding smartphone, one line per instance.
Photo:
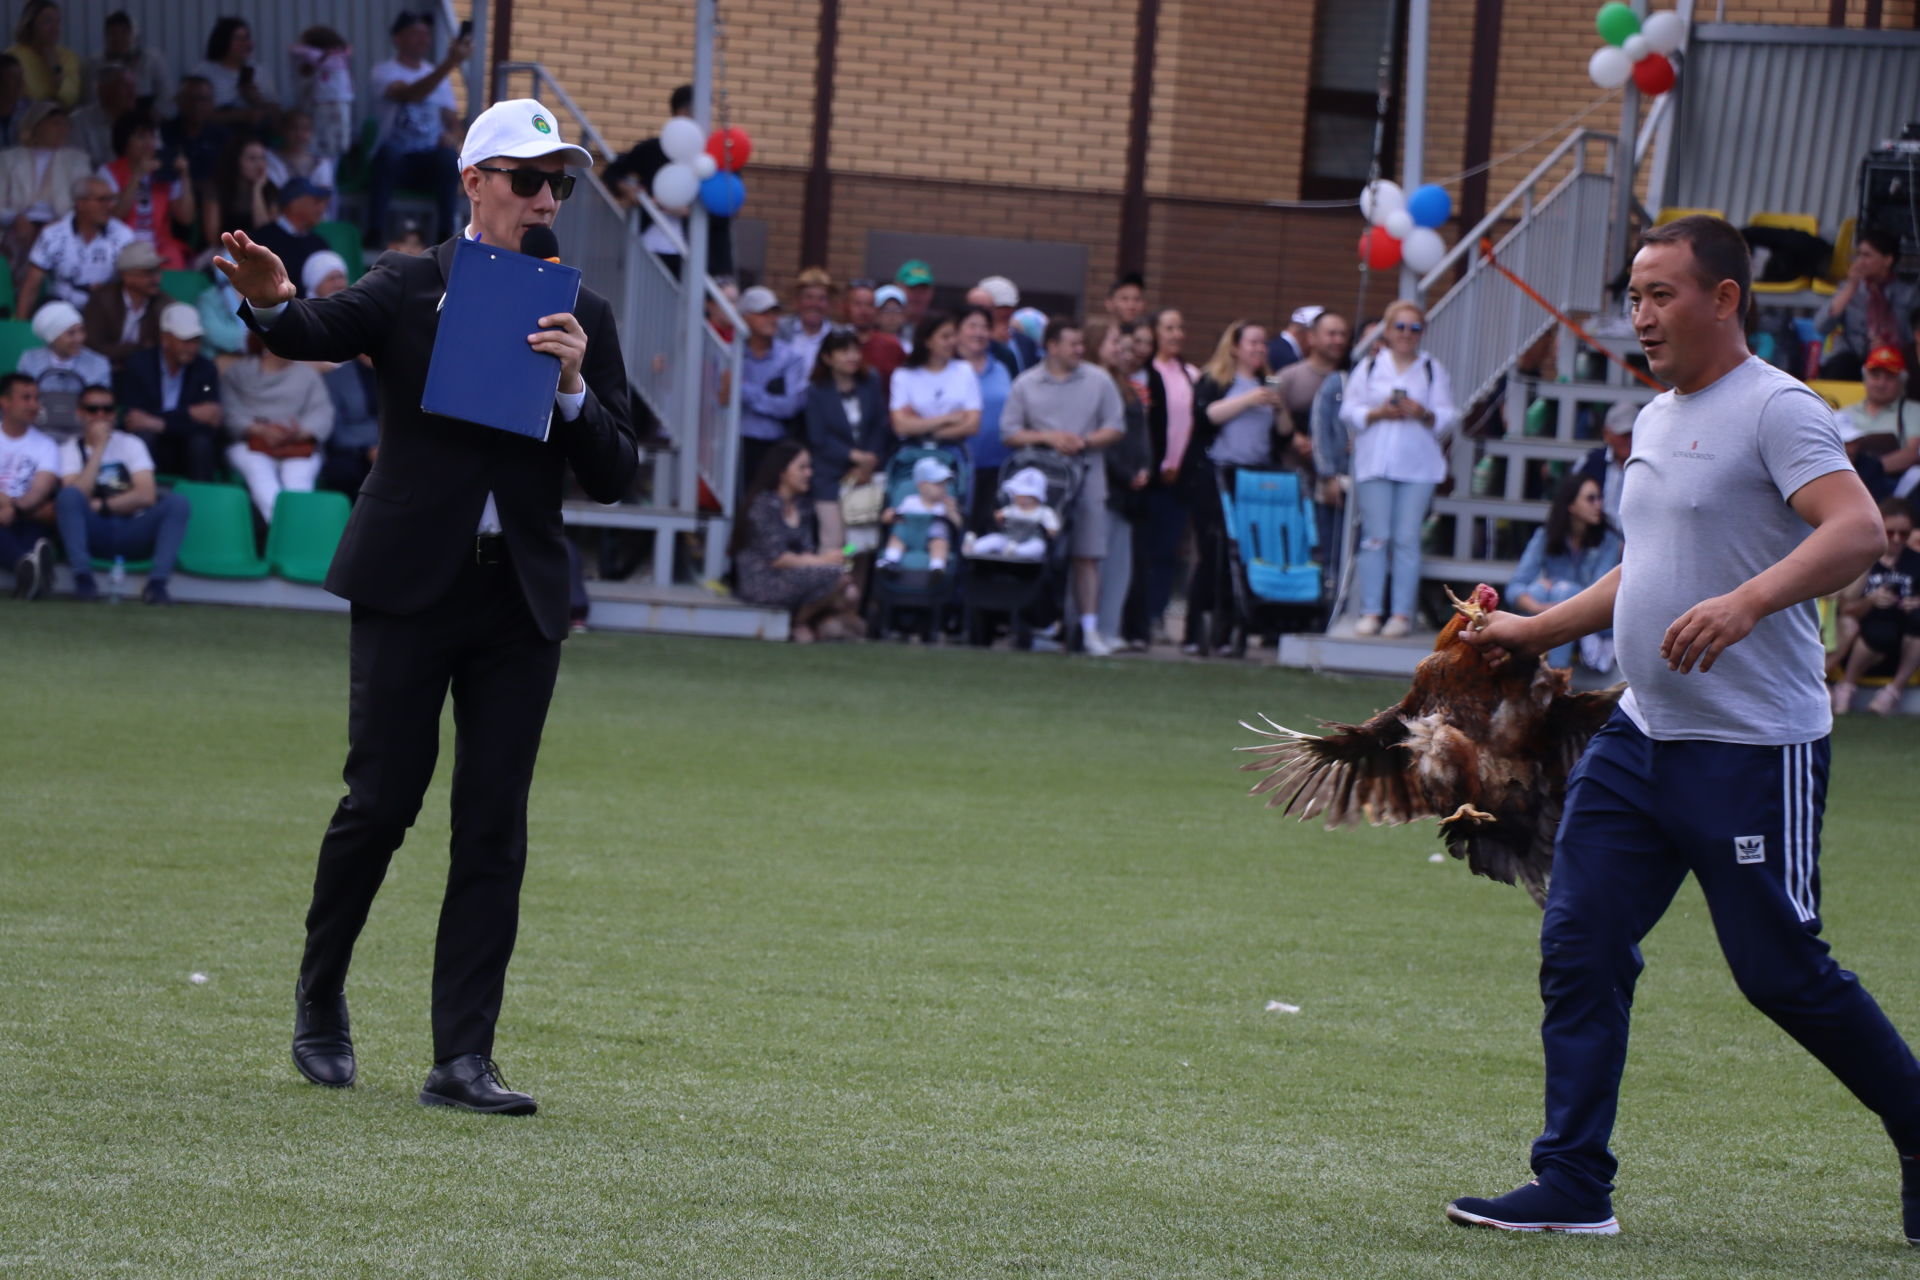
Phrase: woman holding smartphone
(1399, 406)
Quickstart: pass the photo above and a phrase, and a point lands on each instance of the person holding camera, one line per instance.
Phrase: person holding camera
(1399, 406)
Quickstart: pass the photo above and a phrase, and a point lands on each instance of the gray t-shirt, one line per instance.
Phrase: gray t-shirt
(1705, 509)
(1083, 402)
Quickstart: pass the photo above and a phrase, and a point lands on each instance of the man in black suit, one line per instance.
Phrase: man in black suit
(172, 396)
(456, 565)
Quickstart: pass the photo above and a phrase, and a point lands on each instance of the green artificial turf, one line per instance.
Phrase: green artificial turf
(854, 961)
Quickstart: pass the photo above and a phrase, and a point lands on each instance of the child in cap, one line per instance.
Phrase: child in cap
(322, 63)
(933, 501)
(1026, 522)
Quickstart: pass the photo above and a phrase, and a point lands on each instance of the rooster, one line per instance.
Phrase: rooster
(1486, 749)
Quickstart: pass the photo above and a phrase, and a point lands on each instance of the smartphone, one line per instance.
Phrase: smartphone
(466, 29)
(1398, 395)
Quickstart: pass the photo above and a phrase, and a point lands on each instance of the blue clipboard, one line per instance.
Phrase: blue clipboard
(482, 369)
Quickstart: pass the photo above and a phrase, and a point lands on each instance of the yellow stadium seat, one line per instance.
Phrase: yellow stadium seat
(1673, 213)
(1839, 394)
(1786, 222)
(1842, 261)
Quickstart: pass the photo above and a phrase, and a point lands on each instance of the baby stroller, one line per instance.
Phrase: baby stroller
(1028, 592)
(911, 585)
(1271, 535)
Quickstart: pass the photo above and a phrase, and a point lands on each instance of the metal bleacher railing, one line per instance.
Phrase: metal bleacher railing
(694, 475)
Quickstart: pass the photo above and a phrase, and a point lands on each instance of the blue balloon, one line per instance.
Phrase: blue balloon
(1430, 206)
(723, 194)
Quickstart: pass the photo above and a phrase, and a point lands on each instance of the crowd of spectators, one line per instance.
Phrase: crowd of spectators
(114, 173)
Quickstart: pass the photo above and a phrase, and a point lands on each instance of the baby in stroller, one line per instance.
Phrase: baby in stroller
(1026, 522)
(929, 513)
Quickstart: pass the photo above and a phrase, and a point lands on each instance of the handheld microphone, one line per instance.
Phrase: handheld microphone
(540, 242)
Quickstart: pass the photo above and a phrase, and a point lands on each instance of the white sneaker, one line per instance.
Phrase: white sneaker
(1367, 626)
(1093, 644)
(1396, 627)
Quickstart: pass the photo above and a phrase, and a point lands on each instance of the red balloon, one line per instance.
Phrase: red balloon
(1653, 75)
(730, 149)
(1380, 251)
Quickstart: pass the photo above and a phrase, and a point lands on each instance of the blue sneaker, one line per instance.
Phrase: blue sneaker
(1537, 1208)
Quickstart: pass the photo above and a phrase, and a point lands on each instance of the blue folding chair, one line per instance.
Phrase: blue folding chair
(1271, 537)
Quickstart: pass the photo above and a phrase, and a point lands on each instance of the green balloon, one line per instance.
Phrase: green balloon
(1616, 22)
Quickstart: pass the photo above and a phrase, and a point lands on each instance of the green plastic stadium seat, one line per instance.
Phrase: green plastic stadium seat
(305, 530)
(219, 541)
(6, 286)
(16, 339)
(184, 286)
(344, 239)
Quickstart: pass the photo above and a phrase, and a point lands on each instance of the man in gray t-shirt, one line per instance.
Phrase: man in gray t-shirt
(1740, 511)
(1066, 404)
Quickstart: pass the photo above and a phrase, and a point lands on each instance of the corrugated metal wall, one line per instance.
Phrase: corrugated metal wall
(178, 28)
(1777, 118)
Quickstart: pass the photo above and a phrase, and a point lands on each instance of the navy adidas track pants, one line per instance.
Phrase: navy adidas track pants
(1640, 815)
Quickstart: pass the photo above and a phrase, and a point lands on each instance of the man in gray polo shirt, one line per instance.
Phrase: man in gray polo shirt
(1073, 408)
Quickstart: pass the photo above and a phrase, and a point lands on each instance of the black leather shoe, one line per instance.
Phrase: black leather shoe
(473, 1082)
(322, 1045)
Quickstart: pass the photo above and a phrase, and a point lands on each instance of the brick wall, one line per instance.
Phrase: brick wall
(992, 91)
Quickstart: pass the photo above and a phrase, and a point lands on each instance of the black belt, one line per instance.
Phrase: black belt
(490, 548)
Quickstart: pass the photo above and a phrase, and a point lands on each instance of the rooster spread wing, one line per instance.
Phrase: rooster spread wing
(1430, 758)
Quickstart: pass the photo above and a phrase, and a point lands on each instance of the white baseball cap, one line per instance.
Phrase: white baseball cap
(181, 321)
(1027, 482)
(1307, 315)
(1004, 292)
(758, 300)
(517, 129)
(54, 319)
(931, 471)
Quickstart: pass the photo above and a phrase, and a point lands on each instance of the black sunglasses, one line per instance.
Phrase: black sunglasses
(526, 182)
(96, 408)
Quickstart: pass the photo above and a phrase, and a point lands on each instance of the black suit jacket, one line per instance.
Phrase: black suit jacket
(831, 439)
(413, 526)
(138, 387)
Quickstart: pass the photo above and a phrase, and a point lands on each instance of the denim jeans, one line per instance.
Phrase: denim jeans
(151, 534)
(1391, 513)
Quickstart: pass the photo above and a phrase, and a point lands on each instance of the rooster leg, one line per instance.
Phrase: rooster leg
(1467, 813)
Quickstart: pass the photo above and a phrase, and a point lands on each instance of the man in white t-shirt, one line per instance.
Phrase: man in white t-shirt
(108, 504)
(420, 126)
(77, 252)
(29, 475)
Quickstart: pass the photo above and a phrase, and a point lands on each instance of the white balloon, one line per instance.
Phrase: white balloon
(1421, 249)
(705, 166)
(1609, 67)
(675, 186)
(1380, 199)
(1664, 32)
(1636, 47)
(682, 139)
(1398, 224)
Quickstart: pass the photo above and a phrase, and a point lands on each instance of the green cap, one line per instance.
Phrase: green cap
(913, 272)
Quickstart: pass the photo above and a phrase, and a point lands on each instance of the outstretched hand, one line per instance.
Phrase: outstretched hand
(255, 271)
(1502, 635)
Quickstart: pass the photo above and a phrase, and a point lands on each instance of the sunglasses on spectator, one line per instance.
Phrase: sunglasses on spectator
(526, 182)
(96, 408)
(1408, 326)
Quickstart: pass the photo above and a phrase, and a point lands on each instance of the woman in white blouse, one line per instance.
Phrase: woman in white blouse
(1399, 406)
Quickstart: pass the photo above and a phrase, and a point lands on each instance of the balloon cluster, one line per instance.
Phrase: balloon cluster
(1404, 226)
(698, 166)
(1634, 49)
